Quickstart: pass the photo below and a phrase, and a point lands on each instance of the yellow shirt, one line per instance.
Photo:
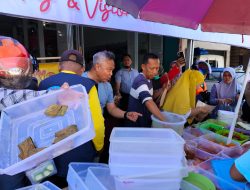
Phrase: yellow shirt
(97, 117)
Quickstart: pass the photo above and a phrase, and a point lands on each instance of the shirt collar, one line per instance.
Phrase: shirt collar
(68, 72)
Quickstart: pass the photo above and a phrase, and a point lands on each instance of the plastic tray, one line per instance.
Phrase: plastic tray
(210, 127)
(154, 141)
(77, 174)
(43, 186)
(233, 152)
(220, 140)
(225, 132)
(207, 170)
(27, 119)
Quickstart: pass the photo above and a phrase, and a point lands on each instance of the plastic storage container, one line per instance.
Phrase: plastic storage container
(233, 152)
(188, 186)
(192, 133)
(150, 141)
(173, 121)
(27, 119)
(147, 184)
(145, 171)
(77, 174)
(220, 140)
(43, 186)
(41, 172)
(99, 179)
(226, 116)
(146, 159)
(210, 127)
(237, 137)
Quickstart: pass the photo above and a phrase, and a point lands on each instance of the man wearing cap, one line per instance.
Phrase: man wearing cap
(71, 67)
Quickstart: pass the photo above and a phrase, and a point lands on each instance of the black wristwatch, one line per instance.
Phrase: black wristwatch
(125, 115)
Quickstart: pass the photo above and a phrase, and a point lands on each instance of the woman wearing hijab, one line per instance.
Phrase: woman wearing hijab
(225, 94)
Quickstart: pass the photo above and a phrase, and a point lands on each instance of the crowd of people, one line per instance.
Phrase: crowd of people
(132, 102)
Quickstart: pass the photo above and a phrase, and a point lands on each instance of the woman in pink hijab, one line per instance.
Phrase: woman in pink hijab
(225, 94)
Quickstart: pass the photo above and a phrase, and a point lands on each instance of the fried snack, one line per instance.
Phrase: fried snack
(52, 110)
(56, 110)
(62, 134)
(34, 151)
(25, 147)
(62, 111)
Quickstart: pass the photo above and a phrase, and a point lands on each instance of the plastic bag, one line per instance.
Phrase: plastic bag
(70, 98)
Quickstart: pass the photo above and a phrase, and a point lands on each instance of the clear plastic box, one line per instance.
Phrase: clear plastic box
(146, 171)
(146, 141)
(147, 184)
(146, 159)
(233, 152)
(218, 182)
(77, 174)
(41, 172)
(99, 179)
(43, 186)
(27, 119)
(188, 186)
(173, 121)
(220, 140)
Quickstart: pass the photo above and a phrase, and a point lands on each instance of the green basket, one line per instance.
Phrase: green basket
(210, 127)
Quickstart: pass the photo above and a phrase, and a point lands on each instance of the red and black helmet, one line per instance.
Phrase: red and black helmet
(15, 63)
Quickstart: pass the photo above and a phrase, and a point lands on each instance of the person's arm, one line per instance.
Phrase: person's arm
(235, 174)
(152, 107)
(213, 96)
(118, 113)
(118, 78)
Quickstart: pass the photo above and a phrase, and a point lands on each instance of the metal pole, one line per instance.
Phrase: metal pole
(237, 109)
(190, 53)
(70, 36)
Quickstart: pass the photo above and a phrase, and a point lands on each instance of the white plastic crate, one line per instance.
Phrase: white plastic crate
(146, 141)
(27, 119)
(77, 174)
(43, 186)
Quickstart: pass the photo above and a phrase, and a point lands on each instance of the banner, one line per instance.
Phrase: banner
(96, 13)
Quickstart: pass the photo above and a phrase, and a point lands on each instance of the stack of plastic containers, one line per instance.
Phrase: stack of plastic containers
(43, 186)
(147, 158)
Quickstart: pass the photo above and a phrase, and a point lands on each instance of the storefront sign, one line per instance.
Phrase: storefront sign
(97, 13)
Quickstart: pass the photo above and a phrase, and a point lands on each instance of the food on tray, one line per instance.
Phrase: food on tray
(43, 173)
(56, 110)
(221, 143)
(210, 149)
(236, 136)
(62, 134)
(26, 146)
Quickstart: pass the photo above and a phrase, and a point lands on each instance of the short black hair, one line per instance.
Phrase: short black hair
(149, 56)
(126, 55)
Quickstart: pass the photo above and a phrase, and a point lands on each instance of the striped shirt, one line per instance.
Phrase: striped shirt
(141, 91)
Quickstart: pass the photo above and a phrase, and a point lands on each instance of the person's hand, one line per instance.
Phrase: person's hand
(228, 101)
(133, 116)
(221, 101)
(117, 99)
(65, 86)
